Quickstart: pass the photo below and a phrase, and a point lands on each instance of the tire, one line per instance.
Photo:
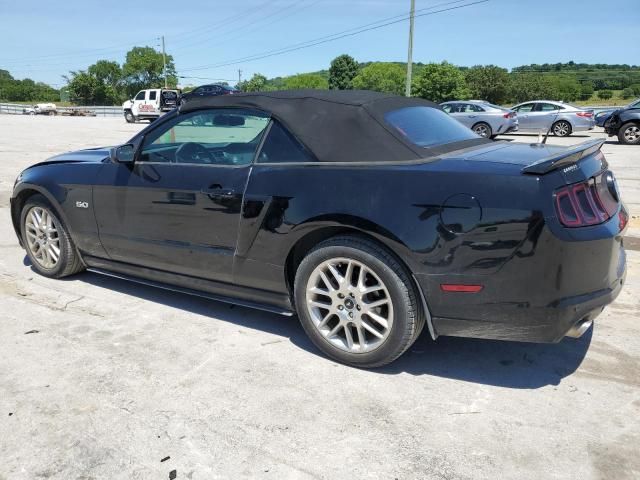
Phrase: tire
(561, 128)
(392, 291)
(129, 117)
(68, 260)
(629, 134)
(483, 129)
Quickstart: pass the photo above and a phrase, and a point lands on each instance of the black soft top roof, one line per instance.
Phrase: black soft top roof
(336, 125)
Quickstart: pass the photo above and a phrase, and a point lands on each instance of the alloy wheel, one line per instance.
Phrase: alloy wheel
(349, 305)
(632, 134)
(561, 129)
(482, 130)
(42, 237)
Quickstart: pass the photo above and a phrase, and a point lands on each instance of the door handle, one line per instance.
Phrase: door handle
(218, 192)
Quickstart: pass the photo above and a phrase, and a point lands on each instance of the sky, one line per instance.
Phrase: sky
(212, 39)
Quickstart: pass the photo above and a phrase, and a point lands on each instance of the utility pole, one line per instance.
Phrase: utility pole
(239, 76)
(164, 63)
(407, 90)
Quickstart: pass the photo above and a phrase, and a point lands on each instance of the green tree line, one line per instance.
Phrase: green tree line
(443, 81)
(108, 82)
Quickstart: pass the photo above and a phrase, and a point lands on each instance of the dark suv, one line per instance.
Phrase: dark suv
(625, 123)
(212, 90)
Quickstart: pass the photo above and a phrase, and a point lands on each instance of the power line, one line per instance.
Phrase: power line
(77, 54)
(331, 38)
(288, 13)
(225, 22)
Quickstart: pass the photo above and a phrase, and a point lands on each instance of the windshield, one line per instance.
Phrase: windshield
(426, 126)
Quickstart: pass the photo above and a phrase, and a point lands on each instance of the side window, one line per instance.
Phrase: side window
(447, 108)
(474, 108)
(152, 95)
(140, 95)
(207, 137)
(524, 108)
(546, 107)
(282, 147)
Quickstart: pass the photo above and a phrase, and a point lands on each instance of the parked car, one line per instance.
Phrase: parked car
(485, 119)
(209, 91)
(563, 119)
(368, 214)
(41, 109)
(602, 116)
(625, 124)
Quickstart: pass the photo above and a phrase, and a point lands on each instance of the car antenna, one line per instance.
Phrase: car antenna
(544, 141)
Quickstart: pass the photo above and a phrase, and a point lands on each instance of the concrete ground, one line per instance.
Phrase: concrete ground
(101, 379)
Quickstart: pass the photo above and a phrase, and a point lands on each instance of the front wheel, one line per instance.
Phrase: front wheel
(129, 117)
(483, 129)
(629, 134)
(47, 241)
(561, 128)
(356, 302)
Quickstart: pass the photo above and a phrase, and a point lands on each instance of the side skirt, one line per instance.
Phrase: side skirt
(212, 290)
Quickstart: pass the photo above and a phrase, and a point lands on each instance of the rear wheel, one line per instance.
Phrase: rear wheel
(48, 244)
(356, 302)
(561, 128)
(629, 134)
(483, 129)
(129, 117)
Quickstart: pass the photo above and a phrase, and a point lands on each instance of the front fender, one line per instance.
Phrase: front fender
(68, 187)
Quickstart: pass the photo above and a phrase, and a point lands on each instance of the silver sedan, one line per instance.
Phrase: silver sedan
(563, 119)
(485, 119)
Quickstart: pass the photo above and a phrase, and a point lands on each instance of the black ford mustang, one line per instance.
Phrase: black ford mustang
(369, 215)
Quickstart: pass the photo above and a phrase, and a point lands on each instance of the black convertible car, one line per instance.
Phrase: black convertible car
(368, 215)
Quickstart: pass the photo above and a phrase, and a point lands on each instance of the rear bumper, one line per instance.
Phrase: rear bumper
(538, 296)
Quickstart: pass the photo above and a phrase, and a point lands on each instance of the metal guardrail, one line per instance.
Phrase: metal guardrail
(100, 111)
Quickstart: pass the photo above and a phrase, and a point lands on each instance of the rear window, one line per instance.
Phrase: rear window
(426, 126)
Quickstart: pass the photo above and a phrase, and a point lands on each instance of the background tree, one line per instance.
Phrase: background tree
(567, 88)
(440, 82)
(14, 90)
(381, 77)
(488, 82)
(257, 83)
(531, 86)
(605, 94)
(82, 87)
(143, 69)
(342, 71)
(627, 93)
(636, 89)
(306, 80)
(586, 91)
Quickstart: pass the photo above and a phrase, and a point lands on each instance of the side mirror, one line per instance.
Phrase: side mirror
(124, 153)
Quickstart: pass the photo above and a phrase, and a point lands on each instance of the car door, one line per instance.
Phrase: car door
(457, 111)
(543, 115)
(177, 206)
(525, 118)
(472, 114)
(138, 101)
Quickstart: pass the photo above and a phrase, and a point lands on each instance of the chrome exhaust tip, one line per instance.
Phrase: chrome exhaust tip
(579, 328)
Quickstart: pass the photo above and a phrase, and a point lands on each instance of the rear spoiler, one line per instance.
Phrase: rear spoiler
(566, 157)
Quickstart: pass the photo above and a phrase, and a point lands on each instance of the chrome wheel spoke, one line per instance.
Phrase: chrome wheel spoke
(349, 305)
(42, 238)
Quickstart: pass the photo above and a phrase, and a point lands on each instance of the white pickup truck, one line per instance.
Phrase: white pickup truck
(150, 104)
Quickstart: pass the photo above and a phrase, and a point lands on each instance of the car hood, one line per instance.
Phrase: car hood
(506, 153)
(89, 155)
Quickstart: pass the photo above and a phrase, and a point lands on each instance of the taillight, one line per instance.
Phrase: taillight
(585, 114)
(509, 115)
(586, 203)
